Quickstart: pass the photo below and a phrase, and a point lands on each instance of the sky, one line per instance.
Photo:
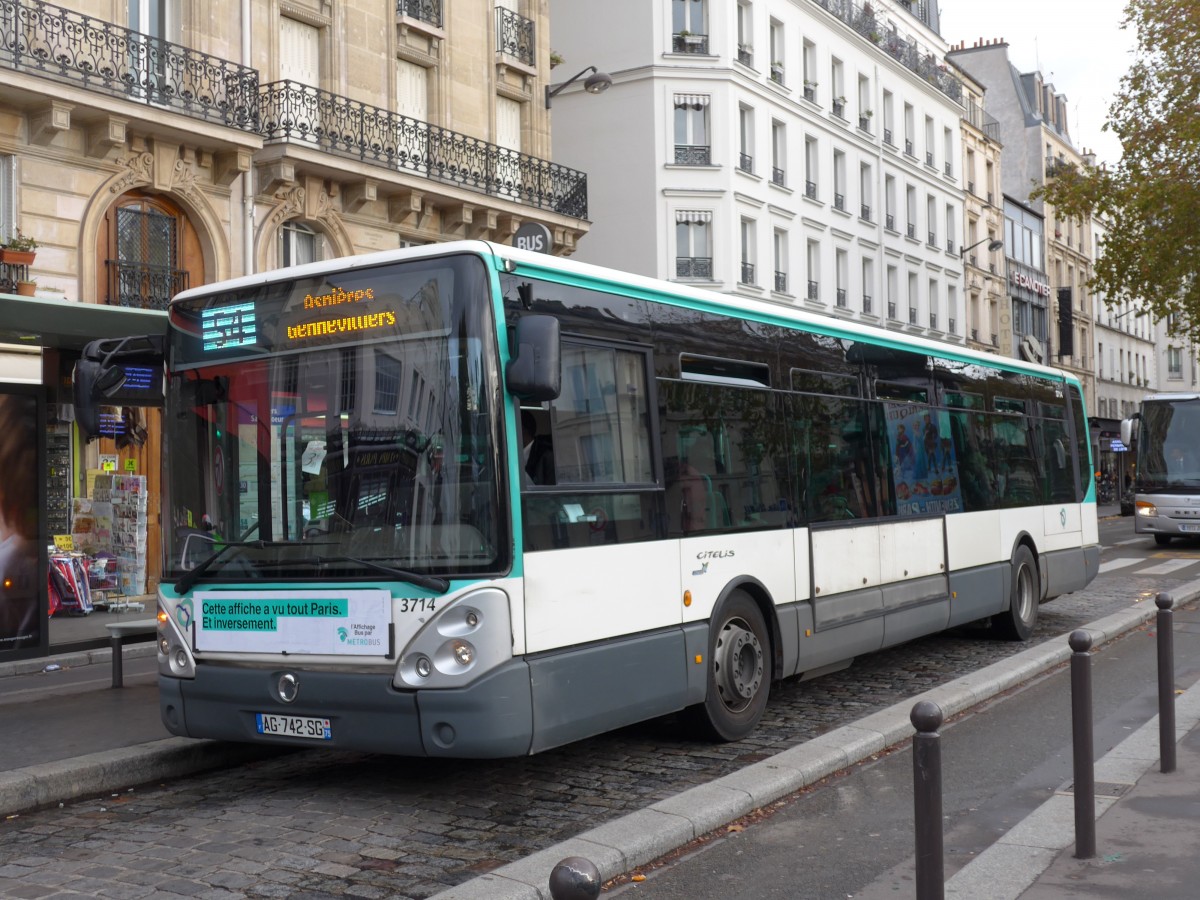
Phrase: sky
(1079, 47)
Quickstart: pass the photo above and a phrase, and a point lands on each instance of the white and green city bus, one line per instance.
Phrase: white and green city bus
(362, 550)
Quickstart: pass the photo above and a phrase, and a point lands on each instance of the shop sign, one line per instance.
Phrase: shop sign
(1028, 282)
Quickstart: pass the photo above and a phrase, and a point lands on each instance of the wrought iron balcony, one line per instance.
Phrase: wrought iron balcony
(865, 213)
(810, 190)
(814, 291)
(887, 137)
(912, 315)
(912, 231)
(933, 321)
(746, 162)
(864, 123)
(514, 36)
(908, 148)
(810, 93)
(693, 267)
(866, 303)
(841, 298)
(781, 281)
(950, 245)
(777, 176)
(974, 334)
(949, 169)
(953, 326)
(69, 47)
(429, 11)
(748, 273)
(933, 239)
(839, 108)
(297, 113)
(143, 286)
(891, 309)
(689, 43)
(889, 222)
(693, 155)
(839, 201)
(777, 73)
(745, 54)
(929, 158)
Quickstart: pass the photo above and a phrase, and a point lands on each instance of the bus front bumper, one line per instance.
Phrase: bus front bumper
(490, 718)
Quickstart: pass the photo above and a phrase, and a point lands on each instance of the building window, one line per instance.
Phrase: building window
(691, 130)
(690, 30)
(748, 255)
(1174, 363)
(8, 196)
(693, 244)
(298, 244)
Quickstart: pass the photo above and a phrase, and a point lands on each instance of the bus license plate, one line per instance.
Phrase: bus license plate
(1189, 526)
(294, 726)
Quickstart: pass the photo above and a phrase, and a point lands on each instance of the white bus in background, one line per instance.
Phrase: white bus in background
(1166, 488)
(466, 500)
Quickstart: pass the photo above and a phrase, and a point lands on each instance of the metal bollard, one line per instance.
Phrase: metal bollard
(1166, 681)
(575, 878)
(926, 717)
(1081, 740)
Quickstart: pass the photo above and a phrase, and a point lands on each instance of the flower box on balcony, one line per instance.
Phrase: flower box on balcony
(16, 257)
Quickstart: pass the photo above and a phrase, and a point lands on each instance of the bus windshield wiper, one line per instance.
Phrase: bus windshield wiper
(190, 577)
(429, 582)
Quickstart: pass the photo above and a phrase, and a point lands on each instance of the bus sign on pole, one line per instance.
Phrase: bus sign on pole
(533, 236)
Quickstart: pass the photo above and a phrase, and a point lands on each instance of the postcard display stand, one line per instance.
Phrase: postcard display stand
(113, 521)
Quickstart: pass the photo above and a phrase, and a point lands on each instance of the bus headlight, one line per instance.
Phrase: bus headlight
(462, 641)
(1145, 508)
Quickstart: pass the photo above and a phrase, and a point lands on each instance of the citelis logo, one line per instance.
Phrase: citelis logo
(343, 634)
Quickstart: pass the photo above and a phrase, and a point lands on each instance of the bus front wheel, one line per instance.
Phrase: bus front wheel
(739, 671)
(1016, 623)
(1162, 539)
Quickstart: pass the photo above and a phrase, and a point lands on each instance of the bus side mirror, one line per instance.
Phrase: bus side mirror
(535, 370)
(1127, 430)
(116, 372)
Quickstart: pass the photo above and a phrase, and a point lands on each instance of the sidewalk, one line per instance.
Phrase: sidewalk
(1145, 829)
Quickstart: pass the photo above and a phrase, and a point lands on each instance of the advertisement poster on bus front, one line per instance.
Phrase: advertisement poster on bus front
(924, 465)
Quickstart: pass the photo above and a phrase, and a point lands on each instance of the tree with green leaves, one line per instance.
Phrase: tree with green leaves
(1150, 199)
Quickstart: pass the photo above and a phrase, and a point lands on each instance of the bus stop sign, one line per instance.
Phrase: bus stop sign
(533, 236)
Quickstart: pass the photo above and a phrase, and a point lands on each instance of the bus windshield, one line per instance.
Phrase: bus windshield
(337, 426)
(1169, 446)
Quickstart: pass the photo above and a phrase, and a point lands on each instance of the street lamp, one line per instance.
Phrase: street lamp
(995, 244)
(597, 83)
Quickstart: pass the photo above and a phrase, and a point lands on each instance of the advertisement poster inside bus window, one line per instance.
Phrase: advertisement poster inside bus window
(924, 465)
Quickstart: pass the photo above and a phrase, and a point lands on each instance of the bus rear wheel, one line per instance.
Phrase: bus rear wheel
(739, 671)
(1016, 623)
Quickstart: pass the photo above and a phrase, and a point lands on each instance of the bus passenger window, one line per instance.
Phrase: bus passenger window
(537, 451)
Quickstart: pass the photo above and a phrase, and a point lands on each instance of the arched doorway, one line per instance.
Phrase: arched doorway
(147, 251)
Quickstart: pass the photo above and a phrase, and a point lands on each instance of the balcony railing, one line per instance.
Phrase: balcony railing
(693, 267)
(839, 201)
(781, 281)
(814, 291)
(778, 177)
(891, 309)
(864, 123)
(912, 315)
(950, 245)
(69, 47)
(745, 54)
(693, 155)
(932, 239)
(863, 19)
(514, 35)
(933, 321)
(748, 273)
(887, 137)
(912, 231)
(777, 74)
(929, 158)
(429, 11)
(840, 298)
(865, 213)
(689, 43)
(889, 222)
(908, 148)
(294, 112)
(866, 303)
(810, 190)
(953, 326)
(143, 286)
(746, 162)
(839, 108)
(810, 93)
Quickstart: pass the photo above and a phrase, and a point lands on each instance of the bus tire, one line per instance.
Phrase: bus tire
(1162, 539)
(1016, 623)
(739, 671)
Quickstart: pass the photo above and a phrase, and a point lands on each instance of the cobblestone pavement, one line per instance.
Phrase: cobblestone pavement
(319, 824)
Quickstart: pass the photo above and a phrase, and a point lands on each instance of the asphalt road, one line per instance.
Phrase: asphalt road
(321, 823)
